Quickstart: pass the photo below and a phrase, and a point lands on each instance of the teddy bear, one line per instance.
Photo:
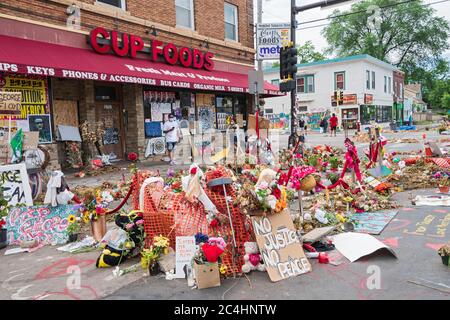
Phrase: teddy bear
(252, 258)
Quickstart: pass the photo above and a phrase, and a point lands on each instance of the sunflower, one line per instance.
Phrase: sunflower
(71, 218)
(86, 218)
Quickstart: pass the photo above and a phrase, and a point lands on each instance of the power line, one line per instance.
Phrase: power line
(326, 24)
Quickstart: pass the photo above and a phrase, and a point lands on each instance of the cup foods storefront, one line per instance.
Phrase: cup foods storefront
(128, 84)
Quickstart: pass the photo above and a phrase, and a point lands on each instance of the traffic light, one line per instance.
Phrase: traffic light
(336, 96)
(341, 96)
(288, 67)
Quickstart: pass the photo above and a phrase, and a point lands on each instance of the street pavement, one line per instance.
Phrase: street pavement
(46, 273)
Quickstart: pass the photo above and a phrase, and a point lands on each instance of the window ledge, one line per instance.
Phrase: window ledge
(111, 8)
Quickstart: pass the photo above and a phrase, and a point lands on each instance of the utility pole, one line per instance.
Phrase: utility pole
(294, 121)
(260, 63)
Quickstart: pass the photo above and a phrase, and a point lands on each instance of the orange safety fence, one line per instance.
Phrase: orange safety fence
(171, 215)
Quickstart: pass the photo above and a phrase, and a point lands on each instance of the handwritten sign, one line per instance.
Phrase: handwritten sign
(47, 225)
(10, 103)
(279, 246)
(16, 187)
(185, 249)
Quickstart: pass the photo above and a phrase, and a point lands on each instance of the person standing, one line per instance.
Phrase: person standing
(306, 119)
(325, 125)
(171, 130)
(301, 123)
(333, 124)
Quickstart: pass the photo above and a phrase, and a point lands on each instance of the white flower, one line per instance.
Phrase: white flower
(262, 186)
(107, 197)
(271, 201)
(401, 164)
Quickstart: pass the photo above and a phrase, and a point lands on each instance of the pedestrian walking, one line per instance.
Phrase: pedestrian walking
(333, 124)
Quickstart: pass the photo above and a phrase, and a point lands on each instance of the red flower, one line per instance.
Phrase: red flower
(214, 223)
(2, 223)
(193, 170)
(276, 192)
(132, 156)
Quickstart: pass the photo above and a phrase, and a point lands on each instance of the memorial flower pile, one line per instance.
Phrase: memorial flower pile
(95, 205)
(150, 256)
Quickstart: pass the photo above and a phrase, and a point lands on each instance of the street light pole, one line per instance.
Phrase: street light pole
(293, 92)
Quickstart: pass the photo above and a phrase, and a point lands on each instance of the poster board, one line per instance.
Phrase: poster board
(264, 125)
(45, 224)
(280, 246)
(185, 250)
(30, 140)
(16, 186)
(10, 104)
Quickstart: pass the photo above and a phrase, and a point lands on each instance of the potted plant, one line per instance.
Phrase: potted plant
(4, 207)
(74, 227)
(444, 252)
(444, 184)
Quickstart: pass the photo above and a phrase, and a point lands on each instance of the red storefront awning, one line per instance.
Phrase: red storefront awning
(34, 57)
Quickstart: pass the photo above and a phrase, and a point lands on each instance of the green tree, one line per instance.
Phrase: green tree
(436, 96)
(306, 53)
(408, 35)
(445, 101)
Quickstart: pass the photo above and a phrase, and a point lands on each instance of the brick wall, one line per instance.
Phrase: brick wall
(134, 130)
(141, 14)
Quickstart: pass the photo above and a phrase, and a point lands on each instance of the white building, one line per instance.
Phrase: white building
(366, 82)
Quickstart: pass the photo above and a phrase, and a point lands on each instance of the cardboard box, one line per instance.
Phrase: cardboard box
(264, 126)
(207, 275)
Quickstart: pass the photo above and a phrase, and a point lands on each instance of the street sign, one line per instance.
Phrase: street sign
(270, 38)
(255, 82)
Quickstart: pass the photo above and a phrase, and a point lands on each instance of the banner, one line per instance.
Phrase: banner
(34, 90)
(270, 38)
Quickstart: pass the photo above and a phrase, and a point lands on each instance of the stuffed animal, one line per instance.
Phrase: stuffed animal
(252, 258)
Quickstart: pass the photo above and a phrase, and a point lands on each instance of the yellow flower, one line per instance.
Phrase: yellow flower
(348, 199)
(223, 269)
(161, 241)
(340, 218)
(166, 251)
(86, 217)
(144, 263)
(71, 218)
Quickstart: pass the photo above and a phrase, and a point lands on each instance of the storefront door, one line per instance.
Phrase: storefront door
(110, 114)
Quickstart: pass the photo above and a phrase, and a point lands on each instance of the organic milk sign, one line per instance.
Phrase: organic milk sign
(270, 37)
(279, 246)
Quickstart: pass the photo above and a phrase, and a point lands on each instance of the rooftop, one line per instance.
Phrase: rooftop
(337, 60)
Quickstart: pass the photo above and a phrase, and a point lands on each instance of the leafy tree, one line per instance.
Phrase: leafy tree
(436, 96)
(408, 35)
(445, 101)
(306, 53)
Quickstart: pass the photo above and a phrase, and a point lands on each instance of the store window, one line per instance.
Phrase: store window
(231, 22)
(275, 82)
(339, 80)
(367, 79)
(105, 93)
(385, 84)
(389, 85)
(230, 109)
(373, 79)
(185, 13)
(116, 3)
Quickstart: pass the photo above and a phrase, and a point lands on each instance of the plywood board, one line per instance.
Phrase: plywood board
(65, 112)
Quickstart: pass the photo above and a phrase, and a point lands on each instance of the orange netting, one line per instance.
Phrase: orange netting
(171, 215)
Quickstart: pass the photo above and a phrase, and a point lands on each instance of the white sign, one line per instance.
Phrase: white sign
(16, 187)
(185, 249)
(270, 37)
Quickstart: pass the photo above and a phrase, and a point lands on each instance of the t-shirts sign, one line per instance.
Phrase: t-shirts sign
(280, 247)
(185, 249)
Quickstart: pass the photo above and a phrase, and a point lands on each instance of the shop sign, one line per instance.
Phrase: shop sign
(128, 45)
(368, 99)
(270, 38)
(348, 99)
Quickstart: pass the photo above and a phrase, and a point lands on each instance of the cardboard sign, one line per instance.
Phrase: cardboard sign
(207, 275)
(16, 187)
(279, 246)
(30, 140)
(185, 249)
(10, 103)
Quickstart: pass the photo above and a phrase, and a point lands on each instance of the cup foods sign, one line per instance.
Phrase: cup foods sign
(270, 38)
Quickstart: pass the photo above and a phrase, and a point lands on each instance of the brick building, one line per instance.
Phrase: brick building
(127, 63)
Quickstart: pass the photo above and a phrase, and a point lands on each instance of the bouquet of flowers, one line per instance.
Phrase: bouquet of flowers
(150, 256)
